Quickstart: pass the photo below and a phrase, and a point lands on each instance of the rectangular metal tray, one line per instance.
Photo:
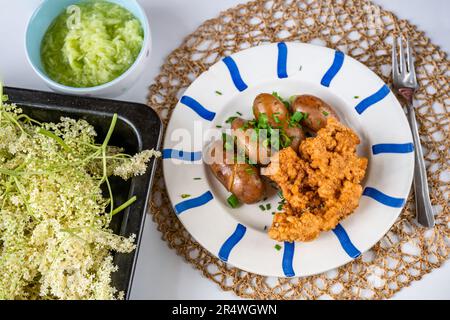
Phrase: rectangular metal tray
(138, 128)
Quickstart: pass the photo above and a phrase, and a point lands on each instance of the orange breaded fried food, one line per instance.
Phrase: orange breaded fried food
(320, 184)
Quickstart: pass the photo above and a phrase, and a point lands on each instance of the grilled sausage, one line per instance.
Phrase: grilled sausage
(276, 111)
(242, 179)
(318, 111)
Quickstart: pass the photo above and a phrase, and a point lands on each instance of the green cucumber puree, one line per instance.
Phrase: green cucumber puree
(91, 43)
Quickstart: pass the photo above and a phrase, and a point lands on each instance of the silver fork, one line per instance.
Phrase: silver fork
(405, 82)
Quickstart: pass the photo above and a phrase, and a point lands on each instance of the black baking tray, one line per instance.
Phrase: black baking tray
(138, 128)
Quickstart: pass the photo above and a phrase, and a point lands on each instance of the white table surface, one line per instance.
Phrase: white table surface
(160, 273)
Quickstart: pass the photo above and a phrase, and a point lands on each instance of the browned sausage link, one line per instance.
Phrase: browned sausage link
(276, 111)
(247, 184)
(253, 148)
(318, 111)
(242, 179)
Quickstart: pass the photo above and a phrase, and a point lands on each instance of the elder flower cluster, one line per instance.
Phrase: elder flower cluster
(55, 240)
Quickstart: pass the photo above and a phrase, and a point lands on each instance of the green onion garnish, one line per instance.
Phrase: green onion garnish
(262, 207)
(268, 206)
(218, 126)
(218, 92)
(325, 113)
(185, 195)
(230, 119)
(249, 171)
(239, 113)
(197, 178)
(233, 201)
(277, 247)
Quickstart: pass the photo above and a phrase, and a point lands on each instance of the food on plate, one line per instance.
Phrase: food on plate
(318, 111)
(247, 139)
(319, 176)
(242, 179)
(321, 184)
(91, 43)
(56, 207)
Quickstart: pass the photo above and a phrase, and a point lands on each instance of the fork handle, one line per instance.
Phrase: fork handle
(424, 210)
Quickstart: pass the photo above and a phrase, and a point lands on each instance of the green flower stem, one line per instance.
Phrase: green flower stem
(124, 205)
(105, 178)
(54, 137)
(9, 172)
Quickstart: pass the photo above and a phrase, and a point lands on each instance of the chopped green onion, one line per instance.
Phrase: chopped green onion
(263, 121)
(286, 103)
(218, 126)
(233, 201)
(280, 207)
(239, 113)
(218, 92)
(277, 247)
(230, 119)
(268, 206)
(325, 113)
(356, 97)
(297, 116)
(262, 207)
(185, 195)
(276, 118)
(197, 178)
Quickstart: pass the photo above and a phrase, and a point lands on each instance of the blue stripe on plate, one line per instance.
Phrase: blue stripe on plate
(334, 69)
(392, 148)
(282, 60)
(194, 202)
(235, 75)
(371, 100)
(181, 155)
(288, 256)
(198, 108)
(383, 198)
(231, 242)
(345, 241)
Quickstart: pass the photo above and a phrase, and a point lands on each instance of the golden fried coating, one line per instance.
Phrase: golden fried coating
(321, 184)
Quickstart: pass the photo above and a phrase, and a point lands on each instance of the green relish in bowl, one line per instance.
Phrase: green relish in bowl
(91, 43)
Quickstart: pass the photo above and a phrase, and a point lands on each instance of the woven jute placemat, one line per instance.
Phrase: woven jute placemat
(363, 31)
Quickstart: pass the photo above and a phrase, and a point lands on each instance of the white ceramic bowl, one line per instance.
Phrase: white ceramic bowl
(41, 20)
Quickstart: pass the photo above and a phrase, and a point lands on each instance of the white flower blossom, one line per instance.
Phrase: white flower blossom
(55, 240)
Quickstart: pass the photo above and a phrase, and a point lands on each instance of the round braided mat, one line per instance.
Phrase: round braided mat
(363, 31)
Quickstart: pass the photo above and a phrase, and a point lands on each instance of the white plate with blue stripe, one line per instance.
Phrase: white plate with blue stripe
(239, 236)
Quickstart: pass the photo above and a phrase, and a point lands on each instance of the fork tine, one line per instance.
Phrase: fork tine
(402, 56)
(410, 59)
(394, 59)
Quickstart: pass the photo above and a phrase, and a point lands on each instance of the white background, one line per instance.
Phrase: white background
(161, 274)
